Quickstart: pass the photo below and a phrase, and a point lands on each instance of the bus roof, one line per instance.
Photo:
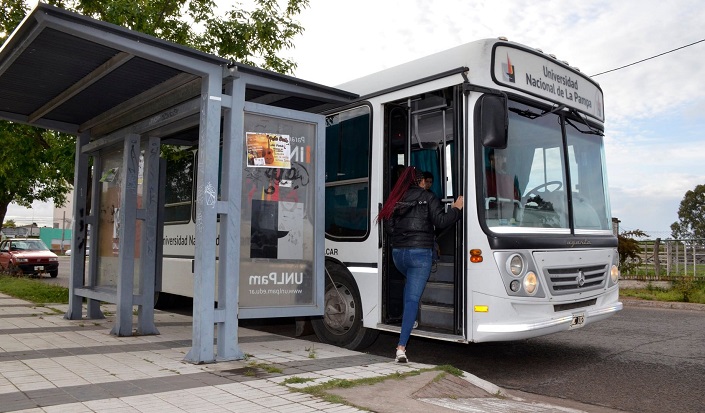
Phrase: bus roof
(495, 64)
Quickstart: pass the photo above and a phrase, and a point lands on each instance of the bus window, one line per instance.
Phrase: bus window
(347, 173)
(524, 184)
(449, 156)
(529, 184)
(589, 194)
(178, 190)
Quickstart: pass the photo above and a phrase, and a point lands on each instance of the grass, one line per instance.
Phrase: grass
(311, 352)
(296, 380)
(32, 290)
(321, 390)
(685, 290)
(266, 367)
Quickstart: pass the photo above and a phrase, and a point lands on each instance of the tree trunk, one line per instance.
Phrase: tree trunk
(3, 212)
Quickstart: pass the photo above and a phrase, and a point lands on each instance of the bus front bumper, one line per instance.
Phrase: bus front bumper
(539, 326)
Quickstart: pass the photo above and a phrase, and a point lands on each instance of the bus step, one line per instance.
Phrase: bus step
(438, 334)
(436, 316)
(444, 272)
(438, 293)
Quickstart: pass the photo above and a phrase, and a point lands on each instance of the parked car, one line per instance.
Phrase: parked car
(28, 256)
(68, 252)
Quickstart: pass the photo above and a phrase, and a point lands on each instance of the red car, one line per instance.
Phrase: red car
(27, 256)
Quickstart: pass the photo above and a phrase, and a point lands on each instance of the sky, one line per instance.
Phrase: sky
(655, 110)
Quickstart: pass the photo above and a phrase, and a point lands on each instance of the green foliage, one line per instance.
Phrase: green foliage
(269, 368)
(11, 14)
(35, 291)
(296, 380)
(252, 37)
(691, 215)
(36, 165)
(687, 290)
(10, 223)
(629, 249)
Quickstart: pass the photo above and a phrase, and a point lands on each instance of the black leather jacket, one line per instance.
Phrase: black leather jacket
(415, 217)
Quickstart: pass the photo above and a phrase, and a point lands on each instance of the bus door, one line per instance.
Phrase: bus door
(423, 131)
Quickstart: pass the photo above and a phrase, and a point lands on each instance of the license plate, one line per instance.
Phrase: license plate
(38, 268)
(578, 320)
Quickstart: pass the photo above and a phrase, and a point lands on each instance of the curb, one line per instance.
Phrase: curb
(674, 305)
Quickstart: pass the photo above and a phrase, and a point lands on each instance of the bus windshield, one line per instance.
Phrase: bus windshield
(542, 182)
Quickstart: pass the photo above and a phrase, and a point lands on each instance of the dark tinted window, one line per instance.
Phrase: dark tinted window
(347, 173)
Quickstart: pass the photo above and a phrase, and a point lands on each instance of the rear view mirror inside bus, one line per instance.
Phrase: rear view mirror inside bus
(492, 119)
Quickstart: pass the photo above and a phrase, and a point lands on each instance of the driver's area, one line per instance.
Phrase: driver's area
(539, 179)
(524, 183)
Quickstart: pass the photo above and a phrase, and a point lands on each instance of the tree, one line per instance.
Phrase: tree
(629, 249)
(37, 165)
(10, 223)
(691, 215)
(252, 37)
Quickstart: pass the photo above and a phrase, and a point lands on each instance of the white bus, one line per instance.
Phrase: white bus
(520, 135)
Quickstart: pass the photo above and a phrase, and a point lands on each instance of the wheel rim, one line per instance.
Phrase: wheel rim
(339, 315)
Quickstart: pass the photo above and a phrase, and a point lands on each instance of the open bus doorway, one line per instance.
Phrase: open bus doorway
(422, 131)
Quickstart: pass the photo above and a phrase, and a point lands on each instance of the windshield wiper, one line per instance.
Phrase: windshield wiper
(591, 131)
(531, 115)
(525, 113)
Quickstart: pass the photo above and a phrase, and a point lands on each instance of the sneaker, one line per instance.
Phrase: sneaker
(416, 324)
(401, 356)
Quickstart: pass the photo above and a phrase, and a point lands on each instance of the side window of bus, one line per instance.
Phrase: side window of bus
(347, 173)
(179, 186)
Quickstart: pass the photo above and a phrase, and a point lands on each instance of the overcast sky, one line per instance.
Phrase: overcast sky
(655, 110)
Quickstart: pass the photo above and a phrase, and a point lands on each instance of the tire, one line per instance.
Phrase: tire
(14, 270)
(341, 324)
(54, 274)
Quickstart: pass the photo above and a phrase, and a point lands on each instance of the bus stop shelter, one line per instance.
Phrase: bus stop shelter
(126, 93)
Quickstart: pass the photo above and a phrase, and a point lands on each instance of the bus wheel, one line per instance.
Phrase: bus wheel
(341, 324)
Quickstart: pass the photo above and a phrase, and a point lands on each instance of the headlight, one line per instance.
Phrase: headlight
(21, 259)
(53, 259)
(516, 265)
(514, 285)
(614, 273)
(530, 283)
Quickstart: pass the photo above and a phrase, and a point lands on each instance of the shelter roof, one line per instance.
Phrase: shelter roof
(60, 70)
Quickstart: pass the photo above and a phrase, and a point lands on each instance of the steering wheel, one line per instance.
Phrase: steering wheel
(545, 185)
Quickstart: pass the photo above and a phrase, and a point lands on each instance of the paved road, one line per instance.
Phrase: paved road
(640, 360)
(64, 270)
(649, 360)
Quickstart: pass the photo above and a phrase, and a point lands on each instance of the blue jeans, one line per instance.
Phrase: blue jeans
(415, 264)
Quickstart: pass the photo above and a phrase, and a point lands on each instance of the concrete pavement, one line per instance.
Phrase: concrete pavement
(49, 364)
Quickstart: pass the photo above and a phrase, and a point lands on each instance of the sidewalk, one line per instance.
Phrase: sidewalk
(49, 364)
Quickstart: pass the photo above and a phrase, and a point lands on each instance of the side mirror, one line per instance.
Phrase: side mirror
(491, 115)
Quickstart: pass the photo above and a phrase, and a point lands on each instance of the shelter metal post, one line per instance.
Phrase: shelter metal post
(206, 221)
(127, 216)
(78, 237)
(229, 208)
(148, 255)
(93, 310)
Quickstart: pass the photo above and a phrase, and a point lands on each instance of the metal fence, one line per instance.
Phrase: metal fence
(668, 259)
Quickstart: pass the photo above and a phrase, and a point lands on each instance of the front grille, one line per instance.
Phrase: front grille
(573, 306)
(575, 279)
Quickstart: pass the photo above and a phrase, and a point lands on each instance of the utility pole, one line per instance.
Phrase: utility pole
(63, 229)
